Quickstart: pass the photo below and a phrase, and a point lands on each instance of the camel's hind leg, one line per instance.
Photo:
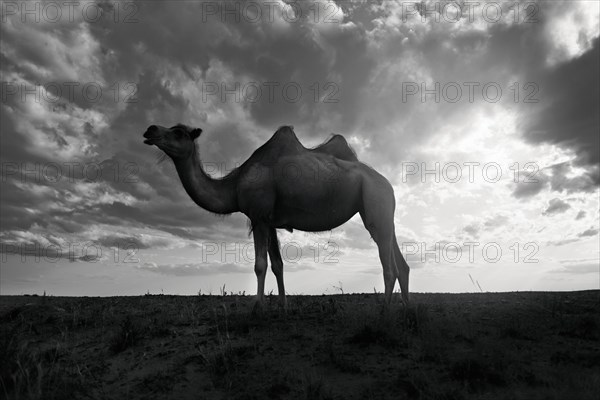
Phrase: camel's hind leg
(402, 271)
(277, 265)
(386, 255)
(381, 228)
(377, 213)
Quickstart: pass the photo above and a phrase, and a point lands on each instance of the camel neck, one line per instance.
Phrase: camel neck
(215, 195)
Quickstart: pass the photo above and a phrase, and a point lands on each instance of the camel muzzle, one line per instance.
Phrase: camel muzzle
(149, 137)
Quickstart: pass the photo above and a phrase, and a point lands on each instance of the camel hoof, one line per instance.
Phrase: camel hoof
(405, 301)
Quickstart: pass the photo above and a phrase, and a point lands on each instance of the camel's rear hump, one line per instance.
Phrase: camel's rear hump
(338, 147)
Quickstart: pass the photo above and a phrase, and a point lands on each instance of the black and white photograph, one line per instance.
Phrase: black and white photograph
(300, 199)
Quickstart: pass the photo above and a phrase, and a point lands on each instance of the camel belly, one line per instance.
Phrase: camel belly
(319, 209)
(310, 222)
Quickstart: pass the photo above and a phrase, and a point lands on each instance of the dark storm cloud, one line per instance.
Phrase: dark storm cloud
(567, 111)
(557, 178)
(35, 247)
(60, 207)
(34, 193)
(495, 222)
(472, 229)
(569, 114)
(264, 51)
(529, 189)
(589, 232)
(187, 220)
(556, 206)
(54, 56)
(487, 225)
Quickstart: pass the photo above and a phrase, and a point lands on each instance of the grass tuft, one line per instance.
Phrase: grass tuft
(127, 335)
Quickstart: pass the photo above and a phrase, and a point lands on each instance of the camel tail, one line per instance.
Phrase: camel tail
(402, 271)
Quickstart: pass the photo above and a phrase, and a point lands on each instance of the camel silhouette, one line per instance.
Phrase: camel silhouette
(284, 185)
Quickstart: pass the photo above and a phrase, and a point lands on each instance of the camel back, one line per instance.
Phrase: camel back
(284, 141)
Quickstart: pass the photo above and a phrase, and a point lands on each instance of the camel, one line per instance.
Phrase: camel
(284, 185)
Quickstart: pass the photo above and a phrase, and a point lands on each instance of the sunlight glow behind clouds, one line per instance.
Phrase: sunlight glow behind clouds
(572, 30)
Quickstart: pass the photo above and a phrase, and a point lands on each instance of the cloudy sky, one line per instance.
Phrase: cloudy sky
(483, 116)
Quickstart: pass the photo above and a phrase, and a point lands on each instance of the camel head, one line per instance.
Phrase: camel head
(177, 142)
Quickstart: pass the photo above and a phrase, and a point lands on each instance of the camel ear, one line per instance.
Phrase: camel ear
(195, 133)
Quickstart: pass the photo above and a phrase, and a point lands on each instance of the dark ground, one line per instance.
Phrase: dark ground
(542, 345)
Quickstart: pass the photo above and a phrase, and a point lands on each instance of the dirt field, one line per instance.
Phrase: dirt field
(444, 346)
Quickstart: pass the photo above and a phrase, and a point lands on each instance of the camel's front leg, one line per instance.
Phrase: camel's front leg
(277, 266)
(261, 242)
